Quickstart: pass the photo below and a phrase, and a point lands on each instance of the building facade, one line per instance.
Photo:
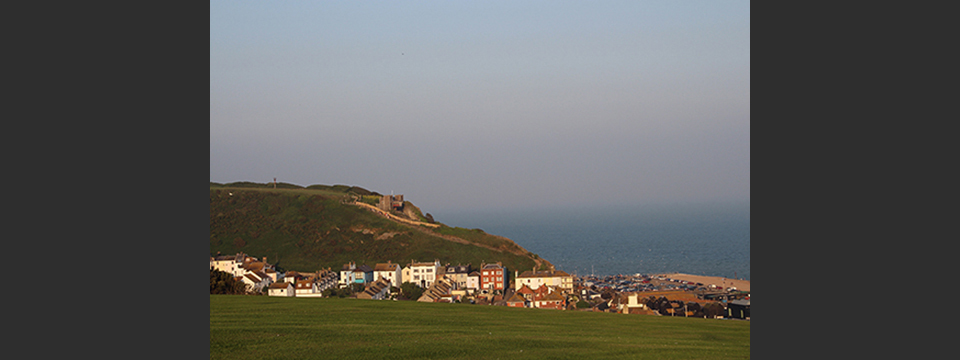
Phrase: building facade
(492, 276)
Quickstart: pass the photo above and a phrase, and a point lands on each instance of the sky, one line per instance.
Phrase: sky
(486, 105)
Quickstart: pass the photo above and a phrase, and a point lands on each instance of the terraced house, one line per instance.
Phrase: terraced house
(389, 272)
(378, 290)
(535, 279)
(424, 274)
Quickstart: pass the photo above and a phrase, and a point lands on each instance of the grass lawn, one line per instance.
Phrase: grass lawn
(262, 327)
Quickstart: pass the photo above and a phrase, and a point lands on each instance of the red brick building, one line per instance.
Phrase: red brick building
(492, 276)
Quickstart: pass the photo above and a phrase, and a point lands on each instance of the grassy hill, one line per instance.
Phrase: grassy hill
(315, 227)
(258, 327)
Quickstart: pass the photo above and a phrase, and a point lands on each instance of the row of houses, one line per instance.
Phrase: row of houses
(304, 284)
(442, 283)
(490, 277)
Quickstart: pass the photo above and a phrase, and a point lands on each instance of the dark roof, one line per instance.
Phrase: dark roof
(459, 269)
(364, 268)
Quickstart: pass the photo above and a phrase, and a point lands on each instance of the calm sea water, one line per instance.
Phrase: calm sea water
(705, 239)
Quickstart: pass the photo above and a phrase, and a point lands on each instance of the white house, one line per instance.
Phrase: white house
(232, 264)
(473, 281)
(307, 288)
(346, 274)
(424, 274)
(390, 272)
(633, 302)
(282, 289)
(535, 279)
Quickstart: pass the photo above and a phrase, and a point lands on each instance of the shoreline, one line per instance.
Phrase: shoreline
(707, 280)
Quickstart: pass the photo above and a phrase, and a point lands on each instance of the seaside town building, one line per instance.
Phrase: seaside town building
(535, 279)
(424, 274)
(363, 274)
(458, 275)
(473, 280)
(378, 290)
(492, 276)
(346, 274)
(390, 272)
(247, 269)
(547, 289)
(391, 202)
(282, 289)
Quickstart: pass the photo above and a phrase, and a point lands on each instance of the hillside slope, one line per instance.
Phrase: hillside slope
(306, 229)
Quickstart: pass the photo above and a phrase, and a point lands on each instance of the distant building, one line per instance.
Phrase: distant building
(363, 274)
(378, 290)
(390, 272)
(424, 274)
(738, 309)
(535, 279)
(492, 276)
(458, 274)
(346, 274)
(473, 280)
(391, 202)
(282, 289)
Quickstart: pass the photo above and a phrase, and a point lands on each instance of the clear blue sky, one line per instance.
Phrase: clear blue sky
(486, 104)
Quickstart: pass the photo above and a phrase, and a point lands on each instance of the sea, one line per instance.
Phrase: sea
(700, 239)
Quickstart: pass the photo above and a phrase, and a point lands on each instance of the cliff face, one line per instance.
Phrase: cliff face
(306, 229)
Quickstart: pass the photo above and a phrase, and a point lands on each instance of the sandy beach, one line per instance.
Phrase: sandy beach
(707, 280)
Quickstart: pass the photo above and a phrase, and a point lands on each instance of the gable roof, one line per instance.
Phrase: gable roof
(526, 290)
(386, 267)
(254, 266)
(515, 298)
(253, 277)
(554, 296)
(280, 285)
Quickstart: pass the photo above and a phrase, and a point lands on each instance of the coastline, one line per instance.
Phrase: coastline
(707, 280)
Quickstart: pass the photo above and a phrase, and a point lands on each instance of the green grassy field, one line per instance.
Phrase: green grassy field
(261, 327)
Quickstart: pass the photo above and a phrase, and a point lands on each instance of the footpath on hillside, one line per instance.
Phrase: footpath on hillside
(452, 238)
(394, 217)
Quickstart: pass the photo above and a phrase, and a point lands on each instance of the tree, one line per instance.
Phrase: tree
(607, 293)
(224, 283)
(582, 304)
(712, 310)
(356, 288)
(410, 290)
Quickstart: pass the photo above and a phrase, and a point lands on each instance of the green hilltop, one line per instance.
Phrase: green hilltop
(319, 226)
